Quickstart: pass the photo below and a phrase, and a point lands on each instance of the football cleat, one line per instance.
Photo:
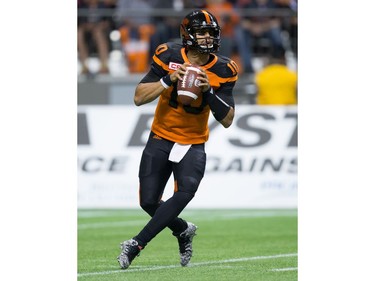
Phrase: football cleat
(129, 250)
(185, 243)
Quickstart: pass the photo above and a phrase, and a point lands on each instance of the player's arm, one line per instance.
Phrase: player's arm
(222, 111)
(228, 119)
(147, 92)
(221, 107)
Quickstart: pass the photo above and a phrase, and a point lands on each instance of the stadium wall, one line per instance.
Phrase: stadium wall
(252, 164)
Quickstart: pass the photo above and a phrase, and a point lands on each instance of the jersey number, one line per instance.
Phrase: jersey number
(161, 48)
(189, 109)
(233, 66)
(173, 100)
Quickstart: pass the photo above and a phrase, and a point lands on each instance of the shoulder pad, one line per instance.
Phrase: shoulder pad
(226, 67)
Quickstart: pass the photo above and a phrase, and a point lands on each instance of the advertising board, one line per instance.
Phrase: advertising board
(252, 164)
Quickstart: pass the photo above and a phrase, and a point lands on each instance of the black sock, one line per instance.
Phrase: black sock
(165, 216)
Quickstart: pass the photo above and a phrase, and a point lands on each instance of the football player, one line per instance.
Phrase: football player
(178, 134)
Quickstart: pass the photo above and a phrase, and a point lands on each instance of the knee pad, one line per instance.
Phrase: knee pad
(149, 207)
(188, 184)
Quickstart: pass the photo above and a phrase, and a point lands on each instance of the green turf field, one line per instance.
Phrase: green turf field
(230, 245)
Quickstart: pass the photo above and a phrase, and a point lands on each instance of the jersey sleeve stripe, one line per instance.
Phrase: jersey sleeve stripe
(232, 68)
(225, 80)
(160, 63)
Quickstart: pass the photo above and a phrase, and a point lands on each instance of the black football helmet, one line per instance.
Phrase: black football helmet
(196, 21)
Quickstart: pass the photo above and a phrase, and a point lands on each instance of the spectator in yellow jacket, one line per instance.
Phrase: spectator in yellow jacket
(276, 83)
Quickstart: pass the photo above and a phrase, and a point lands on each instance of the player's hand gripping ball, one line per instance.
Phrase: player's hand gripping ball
(188, 88)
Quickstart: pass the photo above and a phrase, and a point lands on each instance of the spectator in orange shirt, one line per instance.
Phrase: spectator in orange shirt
(135, 32)
(229, 21)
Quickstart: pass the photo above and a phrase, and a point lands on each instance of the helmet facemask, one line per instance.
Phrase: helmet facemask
(207, 44)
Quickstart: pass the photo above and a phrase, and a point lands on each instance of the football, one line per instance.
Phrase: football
(188, 88)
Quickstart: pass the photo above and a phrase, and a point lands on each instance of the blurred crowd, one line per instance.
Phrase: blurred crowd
(250, 29)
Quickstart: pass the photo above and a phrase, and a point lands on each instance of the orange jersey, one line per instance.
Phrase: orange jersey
(187, 124)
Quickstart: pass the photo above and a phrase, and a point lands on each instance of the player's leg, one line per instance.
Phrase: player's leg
(154, 172)
(166, 213)
(188, 173)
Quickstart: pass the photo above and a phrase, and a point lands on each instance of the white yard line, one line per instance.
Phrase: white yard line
(202, 217)
(111, 224)
(222, 213)
(285, 269)
(191, 265)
